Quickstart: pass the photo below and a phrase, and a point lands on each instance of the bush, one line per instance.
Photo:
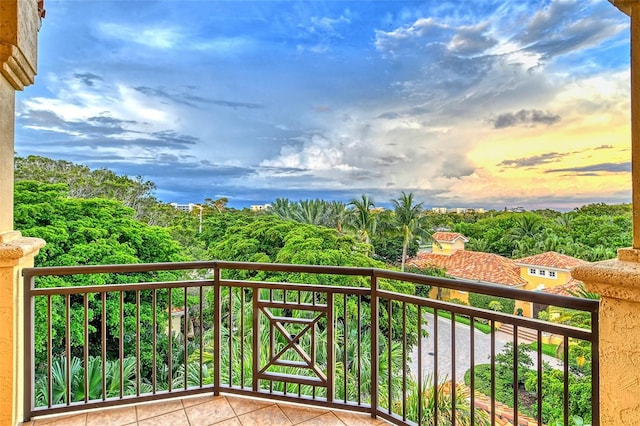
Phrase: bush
(482, 301)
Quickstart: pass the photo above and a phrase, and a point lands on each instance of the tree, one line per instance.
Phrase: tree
(362, 220)
(409, 220)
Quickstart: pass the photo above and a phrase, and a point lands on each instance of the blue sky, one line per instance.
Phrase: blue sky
(476, 104)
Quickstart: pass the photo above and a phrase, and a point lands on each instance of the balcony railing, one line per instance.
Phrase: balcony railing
(100, 336)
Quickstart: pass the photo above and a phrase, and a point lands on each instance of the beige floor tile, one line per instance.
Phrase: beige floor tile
(212, 411)
(70, 420)
(112, 417)
(155, 409)
(353, 419)
(195, 400)
(231, 422)
(269, 416)
(298, 414)
(328, 419)
(175, 418)
(245, 405)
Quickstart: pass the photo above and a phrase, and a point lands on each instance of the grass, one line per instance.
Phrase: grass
(485, 328)
(547, 349)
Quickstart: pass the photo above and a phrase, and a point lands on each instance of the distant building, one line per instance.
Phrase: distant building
(260, 207)
(548, 272)
(457, 210)
(187, 208)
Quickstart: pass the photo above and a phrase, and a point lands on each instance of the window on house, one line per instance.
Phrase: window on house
(532, 271)
(542, 272)
(552, 274)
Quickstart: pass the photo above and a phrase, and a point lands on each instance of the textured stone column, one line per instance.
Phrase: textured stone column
(618, 284)
(19, 24)
(16, 252)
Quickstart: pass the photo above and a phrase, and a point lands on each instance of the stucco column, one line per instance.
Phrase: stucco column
(19, 24)
(16, 252)
(618, 281)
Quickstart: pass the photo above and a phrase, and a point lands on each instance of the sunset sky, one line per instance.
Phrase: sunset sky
(487, 103)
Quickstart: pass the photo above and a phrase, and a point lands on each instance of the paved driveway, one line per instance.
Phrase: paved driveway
(482, 344)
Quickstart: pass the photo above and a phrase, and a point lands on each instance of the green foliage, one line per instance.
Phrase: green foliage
(592, 232)
(89, 232)
(484, 301)
(429, 394)
(82, 182)
(552, 395)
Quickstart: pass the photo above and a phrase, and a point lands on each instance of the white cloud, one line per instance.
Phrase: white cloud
(155, 37)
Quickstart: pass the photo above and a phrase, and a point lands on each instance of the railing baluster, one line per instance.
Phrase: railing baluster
(435, 366)
(344, 347)
(185, 337)
(420, 396)
(540, 366)
(389, 361)
(154, 342)
(359, 350)
(138, 343)
(217, 335)
(121, 345)
(493, 372)
(49, 353)
(231, 334)
(241, 337)
(67, 345)
(565, 359)
(515, 374)
(472, 367)
(201, 334)
(404, 361)
(453, 368)
(103, 342)
(170, 340)
(86, 346)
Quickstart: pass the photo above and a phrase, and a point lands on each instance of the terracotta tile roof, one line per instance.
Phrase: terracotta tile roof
(572, 285)
(448, 237)
(473, 265)
(551, 259)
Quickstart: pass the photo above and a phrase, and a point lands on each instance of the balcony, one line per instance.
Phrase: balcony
(201, 337)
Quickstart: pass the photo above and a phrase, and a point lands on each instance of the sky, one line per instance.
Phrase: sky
(485, 103)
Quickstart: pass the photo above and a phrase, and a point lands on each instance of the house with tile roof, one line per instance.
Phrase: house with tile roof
(540, 272)
(448, 242)
(547, 272)
(449, 254)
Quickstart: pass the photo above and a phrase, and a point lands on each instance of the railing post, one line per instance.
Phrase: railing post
(217, 332)
(256, 340)
(374, 344)
(331, 350)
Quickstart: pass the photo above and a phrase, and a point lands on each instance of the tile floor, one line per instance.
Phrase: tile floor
(210, 410)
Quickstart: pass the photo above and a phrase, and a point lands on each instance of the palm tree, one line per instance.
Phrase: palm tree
(312, 212)
(526, 225)
(337, 215)
(285, 209)
(363, 221)
(409, 220)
